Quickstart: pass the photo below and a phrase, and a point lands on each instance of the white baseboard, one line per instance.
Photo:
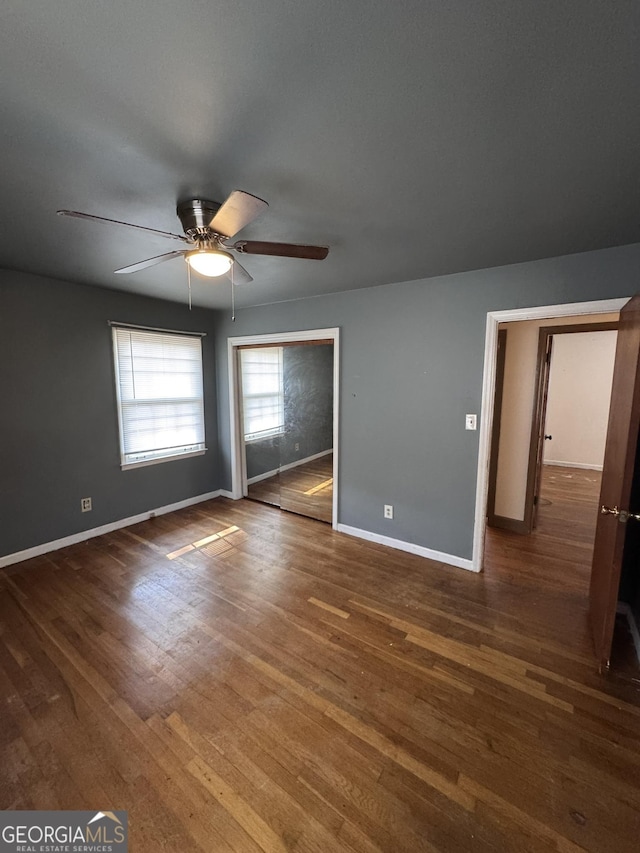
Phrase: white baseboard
(626, 610)
(586, 465)
(287, 467)
(259, 477)
(400, 545)
(46, 547)
(82, 536)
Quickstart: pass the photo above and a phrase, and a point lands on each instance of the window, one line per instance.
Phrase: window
(160, 397)
(262, 392)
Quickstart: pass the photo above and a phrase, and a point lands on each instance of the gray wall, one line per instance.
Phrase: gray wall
(58, 418)
(308, 410)
(411, 368)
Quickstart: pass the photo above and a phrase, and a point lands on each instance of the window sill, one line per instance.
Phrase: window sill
(264, 437)
(143, 463)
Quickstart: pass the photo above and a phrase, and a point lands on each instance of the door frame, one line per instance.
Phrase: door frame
(494, 318)
(235, 421)
(492, 519)
(536, 442)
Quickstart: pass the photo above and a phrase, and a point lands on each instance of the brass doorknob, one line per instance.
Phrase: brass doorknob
(623, 515)
(607, 510)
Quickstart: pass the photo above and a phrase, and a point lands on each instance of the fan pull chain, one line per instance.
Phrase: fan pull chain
(233, 297)
(189, 281)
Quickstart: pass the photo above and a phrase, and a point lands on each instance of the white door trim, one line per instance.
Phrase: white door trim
(573, 309)
(234, 399)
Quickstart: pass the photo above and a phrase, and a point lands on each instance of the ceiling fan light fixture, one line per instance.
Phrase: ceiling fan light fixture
(209, 262)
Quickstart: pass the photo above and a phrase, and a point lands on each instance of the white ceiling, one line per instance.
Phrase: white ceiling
(414, 138)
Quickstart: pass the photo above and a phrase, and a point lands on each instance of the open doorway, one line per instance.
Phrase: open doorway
(563, 612)
(550, 422)
(579, 411)
(575, 310)
(569, 430)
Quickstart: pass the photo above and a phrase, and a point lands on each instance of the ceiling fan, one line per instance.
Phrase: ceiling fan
(207, 227)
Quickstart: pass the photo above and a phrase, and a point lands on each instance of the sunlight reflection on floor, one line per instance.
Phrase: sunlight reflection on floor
(320, 487)
(206, 543)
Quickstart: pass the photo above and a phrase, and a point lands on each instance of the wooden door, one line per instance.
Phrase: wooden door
(617, 476)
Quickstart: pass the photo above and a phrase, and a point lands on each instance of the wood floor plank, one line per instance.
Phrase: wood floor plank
(252, 823)
(241, 679)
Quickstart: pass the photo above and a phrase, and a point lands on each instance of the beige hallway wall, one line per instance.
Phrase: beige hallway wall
(517, 408)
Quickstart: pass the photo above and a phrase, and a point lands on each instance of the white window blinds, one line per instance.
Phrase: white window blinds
(160, 395)
(262, 392)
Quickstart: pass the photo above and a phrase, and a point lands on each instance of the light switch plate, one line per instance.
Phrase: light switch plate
(471, 422)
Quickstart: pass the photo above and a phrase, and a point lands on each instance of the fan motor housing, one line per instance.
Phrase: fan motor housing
(196, 216)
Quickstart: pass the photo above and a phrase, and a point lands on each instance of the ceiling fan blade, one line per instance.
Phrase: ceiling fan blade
(238, 274)
(150, 262)
(238, 210)
(77, 215)
(281, 250)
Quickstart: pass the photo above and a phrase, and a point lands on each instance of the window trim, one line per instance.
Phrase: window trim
(143, 463)
(271, 433)
(158, 457)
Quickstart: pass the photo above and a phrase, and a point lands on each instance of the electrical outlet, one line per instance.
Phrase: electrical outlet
(85, 504)
(296, 446)
(471, 422)
(388, 511)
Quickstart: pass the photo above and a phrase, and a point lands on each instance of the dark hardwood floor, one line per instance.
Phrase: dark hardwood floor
(555, 561)
(549, 570)
(243, 679)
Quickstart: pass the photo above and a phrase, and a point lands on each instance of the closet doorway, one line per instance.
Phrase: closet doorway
(284, 421)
